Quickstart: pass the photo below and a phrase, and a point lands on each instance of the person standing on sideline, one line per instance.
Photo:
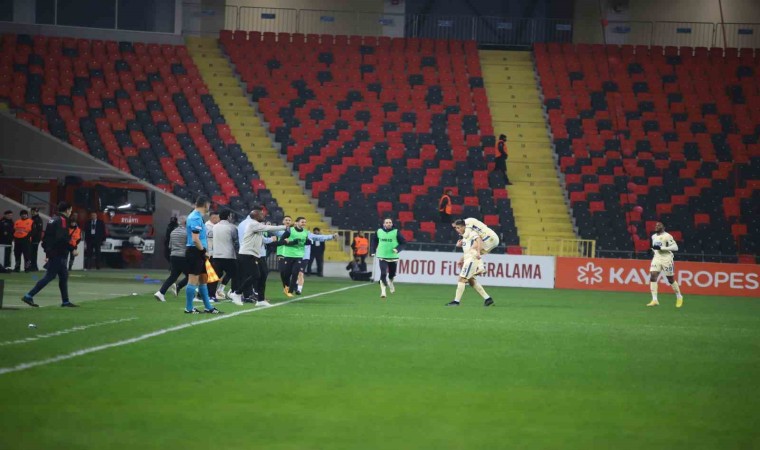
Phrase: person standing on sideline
(213, 219)
(472, 263)
(386, 245)
(196, 254)
(55, 242)
(501, 157)
(313, 238)
(177, 249)
(6, 237)
(22, 234)
(76, 237)
(285, 278)
(252, 259)
(318, 254)
(444, 206)
(167, 237)
(94, 235)
(360, 246)
(36, 238)
(225, 253)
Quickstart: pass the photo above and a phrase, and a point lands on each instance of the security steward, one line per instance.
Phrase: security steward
(361, 247)
(22, 233)
(75, 234)
(501, 157)
(444, 206)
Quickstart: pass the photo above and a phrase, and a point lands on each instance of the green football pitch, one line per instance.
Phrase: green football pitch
(338, 368)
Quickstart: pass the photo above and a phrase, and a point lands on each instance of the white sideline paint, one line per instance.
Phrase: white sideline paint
(65, 331)
(64, 357)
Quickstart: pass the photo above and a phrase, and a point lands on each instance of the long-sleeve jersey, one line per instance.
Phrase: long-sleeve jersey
(667, 245)
(225, 240)
(315, 238)
(374, 242)
(253, 239)
(178, 241)
(56, 240)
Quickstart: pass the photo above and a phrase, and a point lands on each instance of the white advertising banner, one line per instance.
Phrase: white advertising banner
(501, 270)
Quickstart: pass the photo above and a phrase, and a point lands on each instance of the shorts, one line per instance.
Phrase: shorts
(304, 265)
(196, 261)
(662, 265)
(490, 243)
(471, 267)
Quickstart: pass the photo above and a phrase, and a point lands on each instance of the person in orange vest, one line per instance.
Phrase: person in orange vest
(444, 206)
(22, 235)
(75, 237)
(501, 157)
(360, 246)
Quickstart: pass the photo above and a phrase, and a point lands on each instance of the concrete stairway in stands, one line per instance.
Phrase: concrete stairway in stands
(536, 195)
(250, 133)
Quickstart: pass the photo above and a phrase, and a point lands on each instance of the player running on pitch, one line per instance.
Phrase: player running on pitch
(663, 246)
(385, 246)
(472, 264)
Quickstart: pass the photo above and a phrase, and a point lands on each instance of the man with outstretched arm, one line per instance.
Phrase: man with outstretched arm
(251, 260)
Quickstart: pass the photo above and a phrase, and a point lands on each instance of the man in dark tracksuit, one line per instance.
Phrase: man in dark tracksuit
(501, 157)
(37, 227)
(6, 236)
(56, 244)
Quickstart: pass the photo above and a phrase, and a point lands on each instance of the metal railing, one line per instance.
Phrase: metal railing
(561, 247)
(486, 30)
(680, 34)
(738, 35)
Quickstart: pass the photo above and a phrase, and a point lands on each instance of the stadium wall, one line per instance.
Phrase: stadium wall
(600, 274)
(91, 33)
(26, 152)
(329, 5)
(587, 15)
(631, 275)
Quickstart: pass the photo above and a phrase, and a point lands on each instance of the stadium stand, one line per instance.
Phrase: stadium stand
(378, 125)
(144, 108)
(658, 134)
(248, 129)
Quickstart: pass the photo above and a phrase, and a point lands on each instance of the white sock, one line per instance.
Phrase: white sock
(460, 292)
(676, 289)
(479, 289)
(382, 289)
(653, 288)
(300, 287)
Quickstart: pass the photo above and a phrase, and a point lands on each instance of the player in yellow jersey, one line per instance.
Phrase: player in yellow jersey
(663, 246)
(472, 264)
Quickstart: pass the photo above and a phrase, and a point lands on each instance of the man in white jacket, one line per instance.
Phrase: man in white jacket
(224, 253)
(250, 258)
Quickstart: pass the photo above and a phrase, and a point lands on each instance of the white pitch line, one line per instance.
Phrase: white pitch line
(65, 331)
(64, 357)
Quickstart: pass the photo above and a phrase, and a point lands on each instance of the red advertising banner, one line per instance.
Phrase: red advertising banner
(632, 275)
